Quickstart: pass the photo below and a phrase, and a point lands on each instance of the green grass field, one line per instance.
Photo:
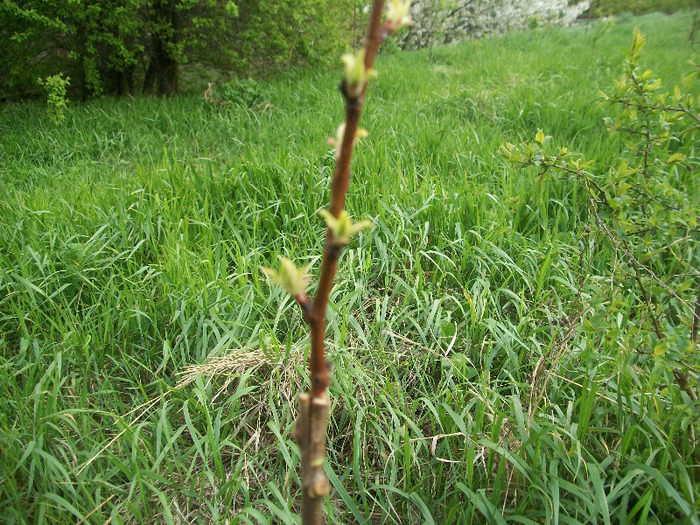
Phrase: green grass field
(467, 388)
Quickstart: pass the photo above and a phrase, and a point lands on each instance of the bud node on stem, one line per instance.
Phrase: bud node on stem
(334, 247)
(308, 312)
(321, 380)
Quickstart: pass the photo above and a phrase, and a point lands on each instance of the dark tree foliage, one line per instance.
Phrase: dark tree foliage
(126, 47)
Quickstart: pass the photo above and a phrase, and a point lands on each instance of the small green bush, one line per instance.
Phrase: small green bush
(55, 86)
(245, 92)
(645, 209)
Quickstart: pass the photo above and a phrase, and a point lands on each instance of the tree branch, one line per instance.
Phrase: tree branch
(339, 187)
(314, 407)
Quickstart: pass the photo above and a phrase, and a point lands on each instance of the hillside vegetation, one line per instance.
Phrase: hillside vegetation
(149, 372)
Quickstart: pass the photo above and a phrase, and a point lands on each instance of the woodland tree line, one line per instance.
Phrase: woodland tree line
(124, 47)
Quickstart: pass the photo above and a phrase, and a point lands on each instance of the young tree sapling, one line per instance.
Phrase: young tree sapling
(314, 406)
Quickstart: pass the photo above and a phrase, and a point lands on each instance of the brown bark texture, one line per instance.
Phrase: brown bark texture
(310, 433)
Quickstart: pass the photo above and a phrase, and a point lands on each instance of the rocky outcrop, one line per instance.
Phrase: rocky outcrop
(446, 21)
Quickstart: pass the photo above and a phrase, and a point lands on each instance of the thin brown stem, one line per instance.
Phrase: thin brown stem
(339, 188)
(696, 321)
(374, 33)
(314, 407)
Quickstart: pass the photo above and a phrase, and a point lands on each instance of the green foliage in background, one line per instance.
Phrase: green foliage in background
(92, 41)
(496, 382)
(247, 92)
(55, 87)
(133, 46)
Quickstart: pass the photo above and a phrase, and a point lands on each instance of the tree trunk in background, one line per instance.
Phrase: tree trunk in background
(163, 72)
(162, 75)
(122, 82)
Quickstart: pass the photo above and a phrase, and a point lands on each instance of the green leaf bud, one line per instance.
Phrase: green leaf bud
(293, 279)
(356, 75)
(342, 227)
